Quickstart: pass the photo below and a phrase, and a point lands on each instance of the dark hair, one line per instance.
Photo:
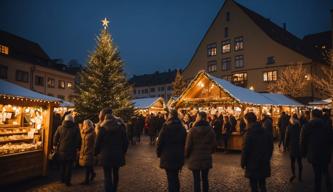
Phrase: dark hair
(250, 117)
(203, 115)
(316, 113)
(174, 113)
(295, 116)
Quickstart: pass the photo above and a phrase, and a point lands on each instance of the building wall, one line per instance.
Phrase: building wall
(257, 48)
(163, 91)
(37, 70)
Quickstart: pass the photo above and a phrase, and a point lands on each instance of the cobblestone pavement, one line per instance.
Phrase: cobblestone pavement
(142, 174)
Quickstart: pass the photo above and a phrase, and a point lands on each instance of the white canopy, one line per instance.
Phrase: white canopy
(11, 89)
(281, 100)
(321, 102)
(145, 103)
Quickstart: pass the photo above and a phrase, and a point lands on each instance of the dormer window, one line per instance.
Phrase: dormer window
(227, 16)
(4, 49)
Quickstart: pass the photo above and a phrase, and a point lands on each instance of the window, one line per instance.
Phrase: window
(152, 89)
(61, 84)
(226, 46)
(239, 43)
(134, 91)
(169, 88)
(39, 80)
(226, 32)
(162, 88)
(4, 49)
(50, 83)
(239, 61)
(270, 60)
(240, 79)
(211, 49)
(22, 76)
(227, 77)
(211, 67)
(226, 63)
(70, 85)
(3, 72)
(269, 76)
(146, 90)
(61, 97)
(227, 16)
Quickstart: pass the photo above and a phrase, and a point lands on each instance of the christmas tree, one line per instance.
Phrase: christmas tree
(102, 83)
(178, 85)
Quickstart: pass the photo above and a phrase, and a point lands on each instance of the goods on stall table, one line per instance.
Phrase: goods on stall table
(10, 148)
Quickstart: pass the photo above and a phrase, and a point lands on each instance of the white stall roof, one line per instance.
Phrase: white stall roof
(145, 103)
(321, 102)
(282, 100)
(241, 94)
(11, 89)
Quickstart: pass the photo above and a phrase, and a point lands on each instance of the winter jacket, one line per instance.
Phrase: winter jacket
(316, 142)
(257, 152)
(267, 124)
(67, 139)
(292, 138)
(200, 144)
(171, 144)
(283, 123)
(217, 126)
(112, 143)
(87, 147)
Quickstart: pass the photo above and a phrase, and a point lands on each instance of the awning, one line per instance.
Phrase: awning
(8, 89)
(146, 103)
(282, 100)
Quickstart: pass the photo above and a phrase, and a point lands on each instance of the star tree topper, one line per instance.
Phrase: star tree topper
(105, 23)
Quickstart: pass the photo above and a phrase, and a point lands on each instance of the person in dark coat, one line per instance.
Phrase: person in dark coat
(170, 149)
(267, 124)
(153, 124)
(140, 126)
(131, 128)
(256, 154)
(112, 144)
(226, 132)
(200, 144)
(293, 133)
(282, 125)
(217, 126)
(233, 123)
(86, 159)
(327, 118)
(67, 141)
(316, 145)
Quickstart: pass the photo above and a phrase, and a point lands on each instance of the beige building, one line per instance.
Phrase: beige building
(25, 63)
(250, 50)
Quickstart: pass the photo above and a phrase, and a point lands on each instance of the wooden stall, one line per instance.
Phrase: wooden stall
(218, 96)
(25, 121)
(146, 106)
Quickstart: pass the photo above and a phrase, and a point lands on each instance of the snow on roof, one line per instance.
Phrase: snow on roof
(11, 89)
(145, 103)
(321, 102)
(241, 94)
(281, 100)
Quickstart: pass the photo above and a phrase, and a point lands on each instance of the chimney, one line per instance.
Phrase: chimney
(284, 26)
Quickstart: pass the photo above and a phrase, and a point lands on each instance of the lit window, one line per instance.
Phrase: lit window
(226, 32)
(239, 61)
(269, 76)
(61, 84)
(226, 63)
(240, 79)
(270, 60)
(239, 43)
(50, 83)
(22, 76)
(3, 72)
(4, 49)
(226, 46)
(211, 49)
(70, 85)
(228, 16)
(211, 67)
(39, 80)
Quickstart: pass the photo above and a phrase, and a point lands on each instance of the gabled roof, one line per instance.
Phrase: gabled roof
(243, 95)
(13, 90)
(157, 78)
(322, 38)
(281, 36)
(145, 103)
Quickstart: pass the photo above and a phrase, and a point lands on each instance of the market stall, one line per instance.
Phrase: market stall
(321, 104)
(218, 96)
(25, 120)
(149, 105)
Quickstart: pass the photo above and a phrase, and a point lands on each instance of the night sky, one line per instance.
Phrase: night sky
(151, 34)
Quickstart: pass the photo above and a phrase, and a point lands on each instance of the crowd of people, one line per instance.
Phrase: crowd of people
(180, 136)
